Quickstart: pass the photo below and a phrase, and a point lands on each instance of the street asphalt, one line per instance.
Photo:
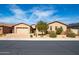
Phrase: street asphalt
(13, 47)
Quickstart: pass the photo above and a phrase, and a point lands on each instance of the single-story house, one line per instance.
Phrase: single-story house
(52, 26)
(74, 27)
(5, 28)
(20, 28)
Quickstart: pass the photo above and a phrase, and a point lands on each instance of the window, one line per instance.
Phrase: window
(55, 27)
(50, 27)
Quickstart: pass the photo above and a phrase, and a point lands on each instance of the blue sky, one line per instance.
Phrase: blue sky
(32, 13)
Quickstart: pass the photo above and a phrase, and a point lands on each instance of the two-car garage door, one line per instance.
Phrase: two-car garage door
(22, 30)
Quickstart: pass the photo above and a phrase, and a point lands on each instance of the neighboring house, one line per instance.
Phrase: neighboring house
(74, 28)
(52, 26)
(21, 28)
(5, 28)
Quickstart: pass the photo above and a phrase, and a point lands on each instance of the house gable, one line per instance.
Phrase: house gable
(58, 22)
(21, 24)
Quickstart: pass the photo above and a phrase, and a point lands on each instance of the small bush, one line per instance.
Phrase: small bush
(1, 35)
(70, 34)
(31, 36)
(52, 34)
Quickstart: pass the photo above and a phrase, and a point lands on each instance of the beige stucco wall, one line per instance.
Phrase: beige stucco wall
(58, 25)
(1, 30)
(75, 31)
(25, 31)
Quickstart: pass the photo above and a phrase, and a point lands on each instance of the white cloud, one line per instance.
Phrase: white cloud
(18, 16)
(18, 12)
(41, 13)
(37, 13)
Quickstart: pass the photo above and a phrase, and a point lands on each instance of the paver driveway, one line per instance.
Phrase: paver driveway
(39, 47)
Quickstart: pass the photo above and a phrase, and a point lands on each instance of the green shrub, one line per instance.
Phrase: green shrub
(59, 30)
(70, 34)
(52, 34)
(1, 35)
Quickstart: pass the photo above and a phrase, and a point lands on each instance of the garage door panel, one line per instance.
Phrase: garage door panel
(22, 30)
